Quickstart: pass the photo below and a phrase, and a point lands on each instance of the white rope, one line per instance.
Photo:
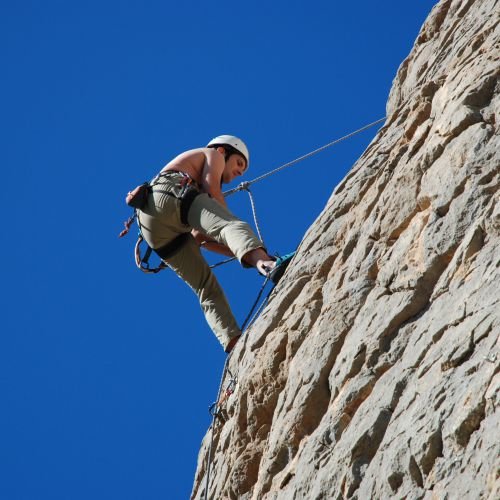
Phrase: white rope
(244, 185)
(254, 211)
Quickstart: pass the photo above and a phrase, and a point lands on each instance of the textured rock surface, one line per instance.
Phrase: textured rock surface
(373, 372)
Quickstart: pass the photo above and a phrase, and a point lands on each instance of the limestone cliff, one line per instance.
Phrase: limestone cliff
(373, 371)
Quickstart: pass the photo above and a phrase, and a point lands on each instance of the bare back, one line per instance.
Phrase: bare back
(190, 162)
(205, 166)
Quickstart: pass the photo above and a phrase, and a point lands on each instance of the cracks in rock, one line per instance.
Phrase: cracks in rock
(365, 448)
(405, 317)
(382, 179)
(415, 472)
(487, 330)
(481, 96)
(422, 460)
(369, 442)
(461, 354)
(349, 247)
(487, 178)
(306, 421)
(393, 162)
(395, 481)
(471, 423)
(357, 362)
(443, 209)
(346, 207)
(396, 232)
(439, 333)
(418, 305)
(287, 298)
(465, 8)
(440, 401)
(435, 339)
(433, 450)
(480, 39)
(468, 120)
(447, 40)
(356, 399)
(421, 114)
(419, 143)
(326, 266)
(434, 23)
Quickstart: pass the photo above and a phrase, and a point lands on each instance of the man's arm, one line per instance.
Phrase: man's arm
(210, 244)
(211, 175)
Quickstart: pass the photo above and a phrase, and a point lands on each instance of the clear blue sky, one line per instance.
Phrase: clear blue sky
(106, 374)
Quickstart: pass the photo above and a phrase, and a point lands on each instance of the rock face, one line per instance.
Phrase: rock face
(373, 371)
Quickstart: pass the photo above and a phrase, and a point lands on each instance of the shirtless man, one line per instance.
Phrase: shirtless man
(186, 197)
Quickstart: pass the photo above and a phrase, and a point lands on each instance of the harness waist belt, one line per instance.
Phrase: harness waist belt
(188, 195)
(186, 202)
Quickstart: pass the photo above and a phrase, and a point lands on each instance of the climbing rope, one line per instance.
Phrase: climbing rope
(214, 410)
(252, 309)
(254, 211)
(246, 184)
(222, 262)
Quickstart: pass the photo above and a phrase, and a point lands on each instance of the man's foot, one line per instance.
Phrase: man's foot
(231, 344)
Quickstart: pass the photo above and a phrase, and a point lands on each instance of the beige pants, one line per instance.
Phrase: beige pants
(160, 223)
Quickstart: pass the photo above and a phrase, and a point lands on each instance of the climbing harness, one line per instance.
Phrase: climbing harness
(137, 199)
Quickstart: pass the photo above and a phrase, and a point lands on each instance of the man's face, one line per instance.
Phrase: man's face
(235, 167)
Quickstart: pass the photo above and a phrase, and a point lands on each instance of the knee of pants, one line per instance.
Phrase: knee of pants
(240, 238)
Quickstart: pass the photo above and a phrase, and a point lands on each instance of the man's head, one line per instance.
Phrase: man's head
(232, 146)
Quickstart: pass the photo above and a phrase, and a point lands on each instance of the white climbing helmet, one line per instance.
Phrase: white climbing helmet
(234, 142)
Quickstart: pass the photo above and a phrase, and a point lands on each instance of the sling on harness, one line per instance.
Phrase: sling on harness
(165, 252)
(137, 199)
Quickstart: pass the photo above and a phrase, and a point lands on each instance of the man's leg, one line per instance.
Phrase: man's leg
(211, 218)
(190, 265)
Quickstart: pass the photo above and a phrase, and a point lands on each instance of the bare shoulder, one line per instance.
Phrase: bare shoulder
(190, 162)
(195, 161)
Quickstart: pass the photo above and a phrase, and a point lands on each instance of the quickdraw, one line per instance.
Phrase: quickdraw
(216, 409)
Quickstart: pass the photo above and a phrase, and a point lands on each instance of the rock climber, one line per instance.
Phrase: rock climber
(186, 204)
